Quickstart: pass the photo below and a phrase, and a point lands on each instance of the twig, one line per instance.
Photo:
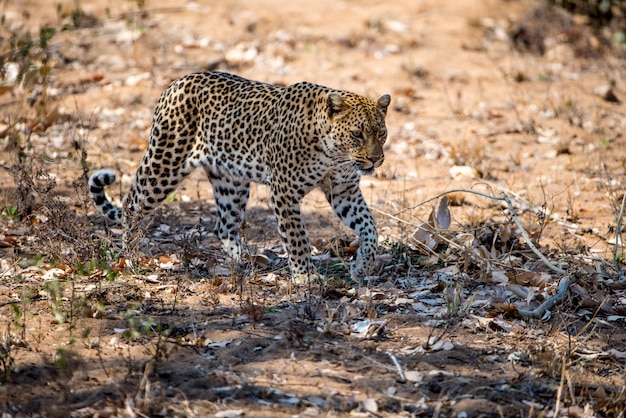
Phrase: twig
(398, 366)
(559, 392)
(503, 198)
(382, 365)
(618, 231)
(560, 295)
(526, 206)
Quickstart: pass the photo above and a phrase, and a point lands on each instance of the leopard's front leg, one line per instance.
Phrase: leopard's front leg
(295, 239)
(347, 201)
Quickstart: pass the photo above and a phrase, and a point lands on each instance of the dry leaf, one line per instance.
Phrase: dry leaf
(218, 344)
(367, 328)
(423, 234)
(459, 172)
(230, 413)
(413, 376)
(508, 309)
(442, 345)
(369, 405)
(443, 219)
(499, 276)
(541, 280)
(517, 290)
(93, 78)
(599, 393)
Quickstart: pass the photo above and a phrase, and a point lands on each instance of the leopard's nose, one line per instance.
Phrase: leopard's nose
(376, 159)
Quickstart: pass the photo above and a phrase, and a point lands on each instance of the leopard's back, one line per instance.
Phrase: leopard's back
(216, 120)
(221, 121)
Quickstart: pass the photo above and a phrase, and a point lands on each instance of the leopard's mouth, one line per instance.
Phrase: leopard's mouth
(365, 168)
(368, 166)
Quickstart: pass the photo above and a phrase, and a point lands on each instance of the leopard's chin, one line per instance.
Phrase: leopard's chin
(366, 168)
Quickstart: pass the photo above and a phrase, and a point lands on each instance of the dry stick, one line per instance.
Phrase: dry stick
(559, 391)
(402, 378)
(618, 231)
(525, 205)
(503, 198)
(559, 297)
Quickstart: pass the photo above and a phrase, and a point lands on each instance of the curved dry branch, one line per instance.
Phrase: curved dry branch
(503, 198)
(557, 298)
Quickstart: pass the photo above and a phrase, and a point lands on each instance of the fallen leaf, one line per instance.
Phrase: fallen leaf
(459, 172)
(424, 235)
(218, 344)
(230, 413)
(369, 405)
(599, 393)
(499, 276)
(442, 345)
(367, 328)
(443, 218)
(607, 93)
(93, 78)
(413, 376)
(260, 260)
(54, 274)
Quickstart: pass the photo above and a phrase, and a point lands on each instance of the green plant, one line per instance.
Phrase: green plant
(11, 213)
(335, 272)
(100, 265)
(54, 289)
(146, 327)
(66, 309)
(396, 249)
(605, 142)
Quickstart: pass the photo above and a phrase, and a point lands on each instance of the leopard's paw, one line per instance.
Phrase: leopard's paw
(234, 248)
(359, 272)
(303, 279)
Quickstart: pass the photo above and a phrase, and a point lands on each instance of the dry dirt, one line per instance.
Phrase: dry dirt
(444, 328)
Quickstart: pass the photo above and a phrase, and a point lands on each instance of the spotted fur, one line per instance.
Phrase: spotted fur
(291, 138)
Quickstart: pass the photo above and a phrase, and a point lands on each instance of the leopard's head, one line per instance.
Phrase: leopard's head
(358, 129)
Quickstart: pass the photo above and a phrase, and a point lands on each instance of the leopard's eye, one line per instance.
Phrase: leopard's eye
(382, 134)
(357, 134)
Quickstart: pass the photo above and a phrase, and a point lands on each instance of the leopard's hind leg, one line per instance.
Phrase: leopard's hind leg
(231, 196)
(167, 161)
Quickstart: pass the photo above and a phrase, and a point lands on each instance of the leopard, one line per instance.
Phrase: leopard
(292, 138)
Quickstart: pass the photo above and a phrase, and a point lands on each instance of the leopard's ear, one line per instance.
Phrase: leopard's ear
(383, 102)
(336, 104)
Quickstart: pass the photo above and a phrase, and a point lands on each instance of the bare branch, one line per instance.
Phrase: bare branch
(618, 231)
(559, 297)
(503, 198)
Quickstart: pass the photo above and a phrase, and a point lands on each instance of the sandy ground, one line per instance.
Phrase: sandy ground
(439, 333)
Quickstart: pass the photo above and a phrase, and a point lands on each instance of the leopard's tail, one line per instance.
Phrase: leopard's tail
(97, 182)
